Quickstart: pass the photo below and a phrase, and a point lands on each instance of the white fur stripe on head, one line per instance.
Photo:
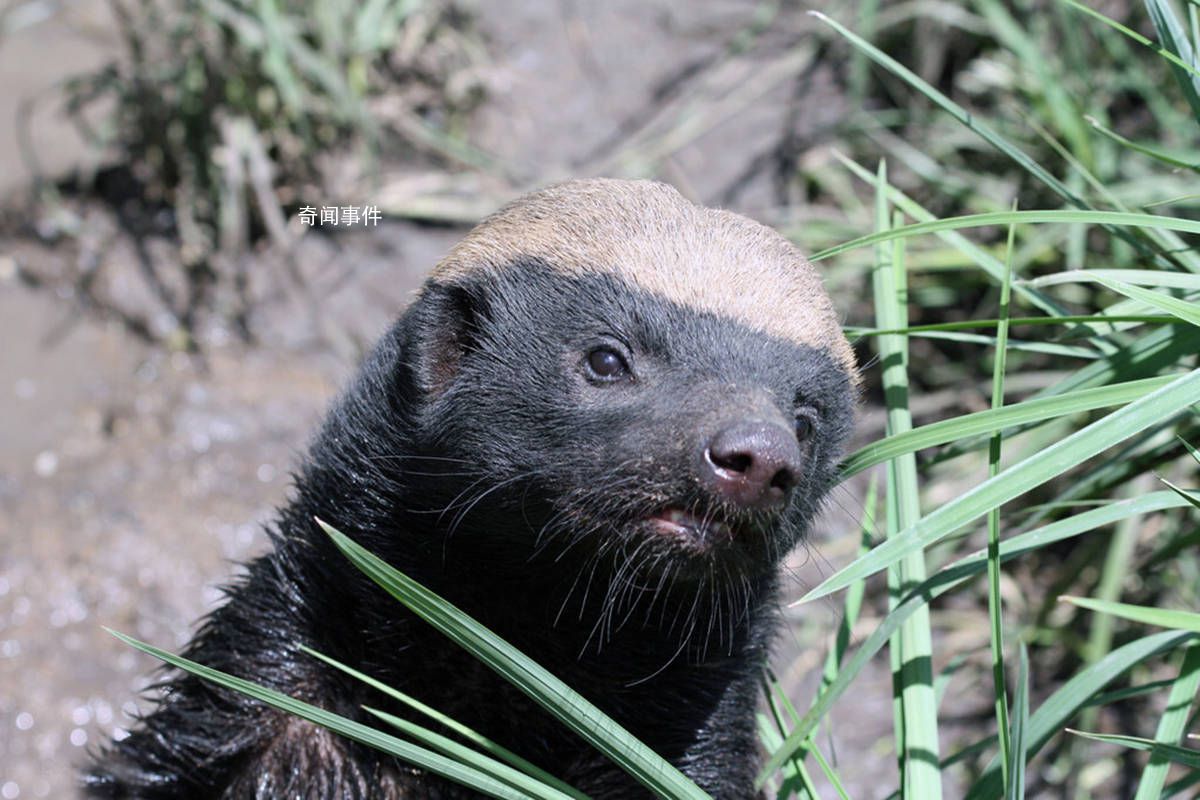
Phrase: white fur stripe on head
(647, 233)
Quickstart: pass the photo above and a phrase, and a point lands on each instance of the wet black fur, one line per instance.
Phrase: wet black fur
(473, 453)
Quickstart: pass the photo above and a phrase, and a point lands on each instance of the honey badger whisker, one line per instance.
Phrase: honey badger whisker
(594, 562)
(466, 505)
(402, 457)
(620, 587)
(578, 503)
(851, 507)
(418, 457)
(598, 429)
(459, 499)
(683, 643)
(628, 576)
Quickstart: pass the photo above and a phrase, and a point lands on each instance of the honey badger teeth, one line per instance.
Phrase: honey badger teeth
(677, 522)
(599, 428)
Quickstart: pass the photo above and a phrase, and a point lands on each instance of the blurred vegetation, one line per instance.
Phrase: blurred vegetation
(227, 115)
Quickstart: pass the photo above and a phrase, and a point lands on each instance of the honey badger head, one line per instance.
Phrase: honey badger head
(640, 392)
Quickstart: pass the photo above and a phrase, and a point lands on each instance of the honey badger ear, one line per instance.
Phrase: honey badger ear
(441, 327)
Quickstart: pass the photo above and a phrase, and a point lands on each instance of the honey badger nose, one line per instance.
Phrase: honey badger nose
(753, 464)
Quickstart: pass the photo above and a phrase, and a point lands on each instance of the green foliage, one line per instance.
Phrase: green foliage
(225, 114)
(298, 75)
(1093, 245)
(498, 785)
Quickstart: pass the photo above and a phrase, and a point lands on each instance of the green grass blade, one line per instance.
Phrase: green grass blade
(1175, 60)
(581, 716)
(794, 780)
(1153, 353)
(1172, 725)
(913, 644)
(1057, 103)
(1182, 785)
(986, 261)
(1188, 311)
(886, 302)
(1049, 348)
(1138, 277)
(482, 742)
(859, 70)
(995, 606)
(973, 123)
(1015, 322)
(1152, 152)
(948, 578)
(1020, 478)
(987, 422)
(1123, 466)
(1175, 40)
(1164, 241)
(854, 594)
(1195, 453)
(1061, 706)
(1054, 216)
(955, 110)
(419, 756)
(1128, 692)
(830, 774)
(1191, 497)
(1179, 755)
(841, 641)
(465, 755)
(1172, 201)
(1018, 754)
(794, 771)
(1162, 617)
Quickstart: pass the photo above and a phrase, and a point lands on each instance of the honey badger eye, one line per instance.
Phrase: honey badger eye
(804, 424)
(606, 364)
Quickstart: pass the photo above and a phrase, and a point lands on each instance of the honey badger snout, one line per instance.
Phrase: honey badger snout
(751, 463)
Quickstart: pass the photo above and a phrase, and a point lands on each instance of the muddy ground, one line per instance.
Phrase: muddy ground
(133, 479)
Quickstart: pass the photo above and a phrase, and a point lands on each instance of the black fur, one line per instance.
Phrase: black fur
(474, 454)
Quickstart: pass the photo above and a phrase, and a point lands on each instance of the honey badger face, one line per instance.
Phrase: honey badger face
(601, 410)
(610, 371)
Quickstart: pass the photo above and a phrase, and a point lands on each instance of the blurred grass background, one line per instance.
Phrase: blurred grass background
(216, 121)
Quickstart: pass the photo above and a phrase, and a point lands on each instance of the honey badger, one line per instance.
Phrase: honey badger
(598, 429)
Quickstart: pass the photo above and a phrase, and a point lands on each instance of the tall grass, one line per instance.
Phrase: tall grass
(1079, 316)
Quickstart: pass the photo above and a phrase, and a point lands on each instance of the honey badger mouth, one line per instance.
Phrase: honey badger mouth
(692, 534)
(677, 535)
(689, 528)
(709, 530)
